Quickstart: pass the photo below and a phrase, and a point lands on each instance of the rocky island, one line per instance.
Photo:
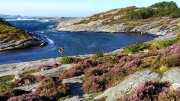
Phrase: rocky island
(139, 72)
(12, 38)
(152, 20)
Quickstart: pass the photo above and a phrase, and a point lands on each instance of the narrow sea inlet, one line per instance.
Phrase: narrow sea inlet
(74, 43)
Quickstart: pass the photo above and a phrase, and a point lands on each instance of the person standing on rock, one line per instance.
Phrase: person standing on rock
(61, 50)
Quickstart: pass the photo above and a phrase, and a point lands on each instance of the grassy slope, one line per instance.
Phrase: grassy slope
(134, 16)
(10, 33)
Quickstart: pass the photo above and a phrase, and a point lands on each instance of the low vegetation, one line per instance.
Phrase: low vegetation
(66, 60)
(11, 33)
(153, 91)
(134, 16)
(135, 48)
(52, 88)
(6, 78)
(104, 71)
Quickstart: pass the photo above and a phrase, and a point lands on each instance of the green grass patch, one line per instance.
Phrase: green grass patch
(164, 44)
(6, 85)
(63, 98)
(30, 72)
(66, 60)
(9, 32)
(7, 78)
(135, 48)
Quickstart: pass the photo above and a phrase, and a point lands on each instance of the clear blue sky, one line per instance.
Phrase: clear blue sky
(68, 8)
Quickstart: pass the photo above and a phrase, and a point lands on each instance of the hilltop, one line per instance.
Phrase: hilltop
(159, 19)
(12, 38)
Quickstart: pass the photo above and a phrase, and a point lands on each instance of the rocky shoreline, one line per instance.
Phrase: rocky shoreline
(162, 28)
(33, 42)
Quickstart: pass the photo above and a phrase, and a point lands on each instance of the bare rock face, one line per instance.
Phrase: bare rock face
(128, 85)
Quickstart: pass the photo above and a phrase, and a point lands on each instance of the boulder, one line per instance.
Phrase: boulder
(128, 85)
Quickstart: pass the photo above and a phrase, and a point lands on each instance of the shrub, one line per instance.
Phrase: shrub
(7, 93)
(28, 97)
(164, 44)
(167, 95)
(52, 89)
(6, 85)
(147, 91)
(27, 80)
(66, 60)
(92, 85)
(135, 48)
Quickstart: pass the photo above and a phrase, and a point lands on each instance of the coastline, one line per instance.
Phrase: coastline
(51, 61)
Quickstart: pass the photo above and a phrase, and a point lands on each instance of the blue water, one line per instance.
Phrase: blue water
(74, 43)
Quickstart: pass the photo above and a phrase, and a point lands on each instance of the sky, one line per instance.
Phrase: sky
(68, 8)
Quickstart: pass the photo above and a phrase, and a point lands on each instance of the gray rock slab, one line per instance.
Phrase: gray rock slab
(54, 71)
(172, 76)
(75, 98)
(29, 87)
(128, 84)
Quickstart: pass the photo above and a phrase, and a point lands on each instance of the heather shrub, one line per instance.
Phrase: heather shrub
(52, 89)
(93, 85)
(28, 80)
(169, 95)
(66, 60)
(147, 91)
(171, 56)
(7, 93)
(77, 69)
(28, 97)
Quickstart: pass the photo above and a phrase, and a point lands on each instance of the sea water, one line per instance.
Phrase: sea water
(74, 43)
